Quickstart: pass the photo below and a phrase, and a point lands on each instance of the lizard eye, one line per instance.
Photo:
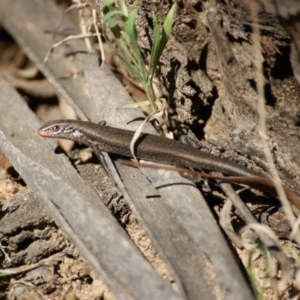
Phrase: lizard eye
(55, 128)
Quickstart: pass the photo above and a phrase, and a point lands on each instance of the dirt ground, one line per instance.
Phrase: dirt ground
(49, 266)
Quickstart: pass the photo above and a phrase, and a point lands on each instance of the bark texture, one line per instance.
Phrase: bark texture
(208, 72)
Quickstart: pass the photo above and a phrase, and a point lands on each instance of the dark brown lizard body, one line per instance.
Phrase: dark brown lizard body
(148, 147)
(157, 149)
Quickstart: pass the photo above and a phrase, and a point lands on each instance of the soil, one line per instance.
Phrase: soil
(29, 235)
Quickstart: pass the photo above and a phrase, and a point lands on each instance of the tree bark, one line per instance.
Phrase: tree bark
(208, 74)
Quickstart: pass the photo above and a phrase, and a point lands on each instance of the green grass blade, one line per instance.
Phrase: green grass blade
(160, 42)
(128, 49)
(126, 60)
(107, 14)
(154, 58)
(108, 17)
(131, 61)
(4, 273)
(109, 2)
(135, 104)
(123, 7)
(168, 23)
(129, 25)
(116, 30)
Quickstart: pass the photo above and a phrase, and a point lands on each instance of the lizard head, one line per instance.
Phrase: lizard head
(63, 129)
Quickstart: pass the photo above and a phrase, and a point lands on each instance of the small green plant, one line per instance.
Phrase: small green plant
(258, 291)
(128, 48)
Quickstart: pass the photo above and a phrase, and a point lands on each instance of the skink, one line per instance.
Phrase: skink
(148, 147)
(156, 149)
